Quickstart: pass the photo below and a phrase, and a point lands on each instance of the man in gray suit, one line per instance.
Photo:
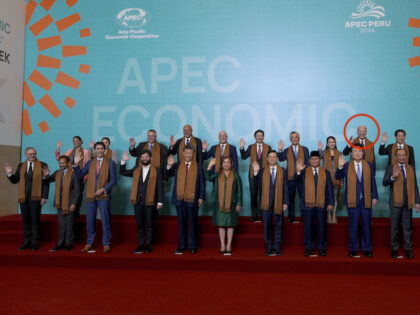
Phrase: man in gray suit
(403, 196)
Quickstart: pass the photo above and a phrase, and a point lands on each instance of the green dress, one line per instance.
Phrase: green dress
(220, 218)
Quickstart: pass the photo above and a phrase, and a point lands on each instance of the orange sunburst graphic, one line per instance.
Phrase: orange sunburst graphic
(44, 61)
(414, 61)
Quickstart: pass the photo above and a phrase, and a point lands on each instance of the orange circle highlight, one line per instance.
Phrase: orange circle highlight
(364, 115)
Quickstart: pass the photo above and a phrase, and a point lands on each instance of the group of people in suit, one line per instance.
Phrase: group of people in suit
(272, 189)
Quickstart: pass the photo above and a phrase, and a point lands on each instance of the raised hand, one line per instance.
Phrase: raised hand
(384, 137)
(77, 158)
(171, 161)
(132, 142)
(242, 143)
(8, 168)
(351, 139)
(45, 171)
(204, 145)
(255, 167)
(125, 156)
(396, 171)
(281, 145)
(300, 166)
(341, 161)
(320, 145)
(91, 144)
(59, 144)
(172, 141)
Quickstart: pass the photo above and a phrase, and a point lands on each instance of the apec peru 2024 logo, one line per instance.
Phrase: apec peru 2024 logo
(368, 18)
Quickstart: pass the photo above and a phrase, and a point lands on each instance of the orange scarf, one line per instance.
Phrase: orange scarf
(265, 194)
(102, 180)
(369, 153)
(351, 184)
(151, 185)
(328, 165)
(64, 206)
(291, 161)
(218, 165)
(155, 153)
(181, 149)
(185, 186)
(254, 157)
(394, 149)
(398, 187)
(312, 201)
(225, 200)
(36, 181)
(108, 154)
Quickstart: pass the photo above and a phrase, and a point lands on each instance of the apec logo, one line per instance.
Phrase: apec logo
(368, 19)
(132, 18)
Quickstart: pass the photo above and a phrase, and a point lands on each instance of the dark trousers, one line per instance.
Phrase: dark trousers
(144, 216)
(187, 218)
(354, 215)
(76, 214)
(268, 229)
(255, 193)
(292, 186)
(310, 216)
(65, 228)
(401, 216)
(31, 215)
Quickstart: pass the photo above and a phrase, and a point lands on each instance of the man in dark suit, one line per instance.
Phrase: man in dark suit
(316, 199)
(295, 152)
(360, 195)
(146, 196)
(177, 147)
(403, 196)
(368, 154)
(33, 194)
(257, 152)
(67, 195)
(220, 150)
(188, 195)
(273, 182)
(101, 178)
(159, 152)
(391, 149)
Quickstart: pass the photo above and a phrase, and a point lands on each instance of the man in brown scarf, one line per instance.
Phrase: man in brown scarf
(403, 197)
(391, 149)
(359, 196)
(368, 154)
(177, 147)
(257, 152)
(33, 194)
(220, 150)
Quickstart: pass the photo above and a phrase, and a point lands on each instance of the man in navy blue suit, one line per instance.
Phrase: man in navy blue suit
(219, 151)
(316, 199)
(295, 152)
(101, 178)
(360, 195)
(188, 195)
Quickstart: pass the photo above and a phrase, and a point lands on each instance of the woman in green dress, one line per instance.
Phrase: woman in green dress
(226, 201)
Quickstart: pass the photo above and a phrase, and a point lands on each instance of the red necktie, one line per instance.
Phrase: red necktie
(259, 152)
(98, 166)
(186, 175)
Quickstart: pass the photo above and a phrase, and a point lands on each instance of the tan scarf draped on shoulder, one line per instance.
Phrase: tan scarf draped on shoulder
(102, 180)
(351, 184)
(64, 206)
(151, 185)
(312, 201)
(218, 165)
(328, 165)
(225, 200)
(185, 187)
(36, 192)
(369, 153)
(398, 187)
(181, 149)
(82, 156)
(291, 161)
(108, 154)
(254, 157)
(155, 153)
(265, 194)
(394, 149)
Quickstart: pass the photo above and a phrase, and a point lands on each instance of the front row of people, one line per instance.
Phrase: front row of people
(188, 195)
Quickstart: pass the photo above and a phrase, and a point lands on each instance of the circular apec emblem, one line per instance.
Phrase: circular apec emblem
(132, 18)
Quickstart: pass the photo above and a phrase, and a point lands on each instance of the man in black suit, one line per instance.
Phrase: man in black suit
(257, 152)
(391, 149)
(220, 150)
(33, 194)
(403, 196)
(293, 154)
(159, 151)
(67, 195)
(146, 195)
(176, 147)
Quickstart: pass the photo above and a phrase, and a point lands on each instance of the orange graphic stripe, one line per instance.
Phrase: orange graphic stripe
(48, 62)
(43, 126)
(26, 123)
(47, 102)
(67, 80)
(48, 42)
(41, 25)
(69, 51)
(27, 95)
(39, 79)
(414, 62)
(84, 68)
(71, 3)
(85, 32)
(47, 4)
(70, 102)
(416, 41)
(67, 22)
(30, 9)
(414, 23)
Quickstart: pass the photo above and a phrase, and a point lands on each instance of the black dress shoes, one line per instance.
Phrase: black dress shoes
(353, 254)
(291, 219)
(139, 249)
(195, 250)
(179, 251)
(252, 219)
(56, 248)
(68, 248)
(322, 252)
(409, 254)
(35, 246)
(278, 252)
(24, 246)
(394, 254)
(368, 254)
(268, 252)
(148, 249)
(308, 252)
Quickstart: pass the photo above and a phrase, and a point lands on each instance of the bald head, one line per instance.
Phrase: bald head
(223, 137)
(361, 132)
(188, 131)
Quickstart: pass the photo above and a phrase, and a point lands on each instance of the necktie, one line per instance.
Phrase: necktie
(259, 152)
(362, 142)
(222, 150)
(98, 166)
(295, 152)
(316, 181)
(399, 146)
(359, 172)
(188, 143)
(403, 172)
(30, 171)
(186, 174)
(273, 176)
(150, 147)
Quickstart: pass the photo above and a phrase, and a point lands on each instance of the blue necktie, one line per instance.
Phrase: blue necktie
(403, 172)
(150, 147)
(295, 152)
(273, 176)
(359, 173)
